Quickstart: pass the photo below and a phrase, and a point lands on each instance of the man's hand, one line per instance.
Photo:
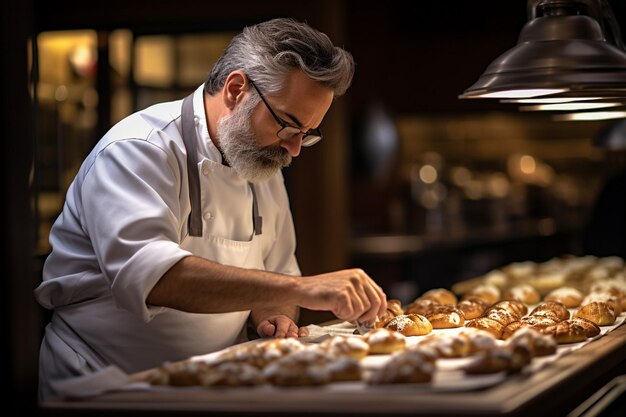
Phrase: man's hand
(281, 326)
(350, 294)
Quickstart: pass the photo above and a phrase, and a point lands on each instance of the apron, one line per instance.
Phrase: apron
(172, 334)
(243, 254)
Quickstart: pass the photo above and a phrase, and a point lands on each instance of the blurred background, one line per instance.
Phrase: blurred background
(413, 185)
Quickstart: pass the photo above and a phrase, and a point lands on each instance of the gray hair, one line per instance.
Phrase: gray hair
(267, 52)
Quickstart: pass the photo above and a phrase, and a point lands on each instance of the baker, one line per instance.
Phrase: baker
(177, 231)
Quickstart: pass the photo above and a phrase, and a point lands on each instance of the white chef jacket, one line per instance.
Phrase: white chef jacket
(125, 223)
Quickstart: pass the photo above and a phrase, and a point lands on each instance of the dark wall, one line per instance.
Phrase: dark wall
(20, 315)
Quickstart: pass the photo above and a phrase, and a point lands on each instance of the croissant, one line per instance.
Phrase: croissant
(599, 312)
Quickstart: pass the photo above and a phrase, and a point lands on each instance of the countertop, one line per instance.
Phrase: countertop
(553, 390)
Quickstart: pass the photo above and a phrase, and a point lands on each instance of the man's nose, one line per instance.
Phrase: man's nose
(293, 144)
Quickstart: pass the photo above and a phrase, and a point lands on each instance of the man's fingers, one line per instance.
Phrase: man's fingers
(266, 329)
(278, 326)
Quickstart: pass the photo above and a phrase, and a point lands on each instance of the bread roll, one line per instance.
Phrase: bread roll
(472, 307)
(421, 307)
(411, 366)
(302, 368)
(441, 295)
(489, 293)
(522, 292)
(546, 308)
(570, 297)
(517, 308)
(598, 312)
(385, 341)
(540, 344)
(502, 316)
(591, 329)
(446, 317)
(566, 332)
(345, 346)
(487, 324)
(394, 308)
(410, 325)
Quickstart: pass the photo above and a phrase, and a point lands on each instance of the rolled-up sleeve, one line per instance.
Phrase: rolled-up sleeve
(132, 213)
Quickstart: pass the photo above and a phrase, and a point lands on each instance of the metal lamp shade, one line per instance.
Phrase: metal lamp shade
(559, 55)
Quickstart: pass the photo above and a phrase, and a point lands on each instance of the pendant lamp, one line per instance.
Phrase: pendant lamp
(568, 48)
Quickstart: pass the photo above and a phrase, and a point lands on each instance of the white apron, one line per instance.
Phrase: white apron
(85, 337)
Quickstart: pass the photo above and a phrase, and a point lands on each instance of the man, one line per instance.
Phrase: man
(177, 229)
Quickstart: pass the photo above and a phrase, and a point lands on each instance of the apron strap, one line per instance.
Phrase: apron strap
(190, 141)
(257, 220)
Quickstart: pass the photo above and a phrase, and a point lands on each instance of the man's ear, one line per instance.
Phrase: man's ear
(234, 88)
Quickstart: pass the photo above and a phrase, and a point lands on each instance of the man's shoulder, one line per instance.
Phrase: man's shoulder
(156, 124)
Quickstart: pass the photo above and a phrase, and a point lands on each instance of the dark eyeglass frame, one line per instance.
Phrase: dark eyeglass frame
(288, 131)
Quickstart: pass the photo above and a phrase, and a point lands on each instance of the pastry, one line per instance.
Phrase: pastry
(511, 328)
(510, 359)
(598, 312)
(394, 308)
(605, 297)
(344, 369)
(517, 308)
(261, 353)
(421, 307)
(182, 373)
(411, 366)
(520, 270)
(446, 345)
(546, 281)
(487, 324)
(190, 373)
(566, 332)
(385, 341)
(540, 321)
(232, 374)
(441, 295)
(345, 346)
(472, 307)
(570, 297)
(496, 278)
(616, 287)
(540, 344)
(546, 308)
(522, 292)
(446, 317)
(479, 340)
(302, 368)
(410, 325)
(489, 293)
(502, 316)
(591, 329)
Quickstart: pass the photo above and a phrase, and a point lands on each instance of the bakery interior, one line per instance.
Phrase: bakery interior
(416, 186)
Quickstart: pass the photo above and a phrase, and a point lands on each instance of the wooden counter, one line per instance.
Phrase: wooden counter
(552, 391)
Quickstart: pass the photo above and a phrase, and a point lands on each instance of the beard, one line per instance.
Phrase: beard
(240, 149)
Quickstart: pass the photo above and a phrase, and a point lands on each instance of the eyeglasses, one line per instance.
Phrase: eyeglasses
(288, 131)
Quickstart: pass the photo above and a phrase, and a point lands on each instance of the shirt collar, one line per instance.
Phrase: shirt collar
(206, 145)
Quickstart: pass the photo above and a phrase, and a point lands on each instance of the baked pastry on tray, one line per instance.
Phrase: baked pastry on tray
(411, 366)
(385, 341)
(410, 325)
(599, 312)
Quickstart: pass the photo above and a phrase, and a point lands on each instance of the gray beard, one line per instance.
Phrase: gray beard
(239, 146)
